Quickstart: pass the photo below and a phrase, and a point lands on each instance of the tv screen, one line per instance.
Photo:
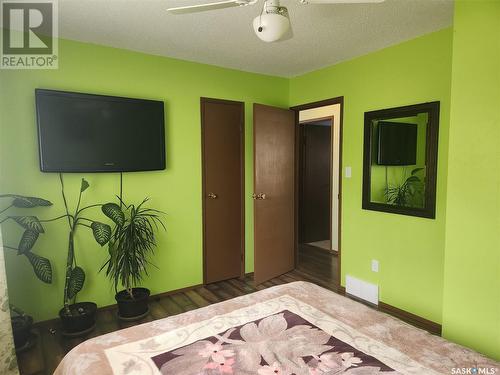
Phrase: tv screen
(397, 143)
(95, 133)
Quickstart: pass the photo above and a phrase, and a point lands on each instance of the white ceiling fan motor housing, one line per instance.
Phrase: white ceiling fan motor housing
(273, 23)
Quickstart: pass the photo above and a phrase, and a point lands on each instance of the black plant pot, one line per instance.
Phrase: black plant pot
(80, 321)
(133, 308)
(21, 328)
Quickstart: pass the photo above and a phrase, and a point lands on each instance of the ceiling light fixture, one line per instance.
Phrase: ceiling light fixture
(273, 22)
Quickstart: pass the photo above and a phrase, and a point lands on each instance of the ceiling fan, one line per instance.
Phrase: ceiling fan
(273, 22)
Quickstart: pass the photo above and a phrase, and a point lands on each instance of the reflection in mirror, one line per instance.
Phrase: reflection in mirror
(398, 161)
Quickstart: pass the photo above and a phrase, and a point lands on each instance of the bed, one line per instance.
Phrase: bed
(297, 328)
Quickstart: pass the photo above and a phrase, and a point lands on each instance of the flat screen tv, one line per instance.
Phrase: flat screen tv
(397, 143)
(95, 133)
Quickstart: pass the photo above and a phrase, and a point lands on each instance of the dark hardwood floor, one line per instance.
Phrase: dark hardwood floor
(319, 264)
(314, 265)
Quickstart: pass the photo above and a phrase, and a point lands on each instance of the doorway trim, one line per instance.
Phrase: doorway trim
(204, 100)
(322, 103)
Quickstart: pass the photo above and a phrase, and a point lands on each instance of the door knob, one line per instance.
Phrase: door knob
(212, 195)
(259, 196)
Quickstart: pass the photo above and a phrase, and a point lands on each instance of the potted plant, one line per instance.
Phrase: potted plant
(78, 318)
(132, 243)
(408, 193)
(21, 328)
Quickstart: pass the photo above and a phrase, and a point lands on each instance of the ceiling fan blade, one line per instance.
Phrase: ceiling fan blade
(209, 6)
(341, 1)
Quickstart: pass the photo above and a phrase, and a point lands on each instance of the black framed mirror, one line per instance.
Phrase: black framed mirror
(400, 160)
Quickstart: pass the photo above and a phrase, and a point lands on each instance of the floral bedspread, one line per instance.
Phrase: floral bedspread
(298, 328)
(282, 343)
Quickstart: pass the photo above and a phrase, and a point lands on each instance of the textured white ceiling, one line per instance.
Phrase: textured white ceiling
(323, 34)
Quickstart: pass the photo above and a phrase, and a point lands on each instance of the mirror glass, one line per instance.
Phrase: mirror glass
(400, 160)
(398, 163)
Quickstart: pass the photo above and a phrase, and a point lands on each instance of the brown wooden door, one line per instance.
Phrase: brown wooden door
(274, 191)
(315, 176)
(223, 189)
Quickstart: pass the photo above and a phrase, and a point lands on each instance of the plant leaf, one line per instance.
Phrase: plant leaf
(41, 267)
(29, 202)
(114, 212)
(76, 281)
(102, 232)
(84, 186)
(29, 222)
(413, 179)
(21, 201)
(416, 170)
(27, 241)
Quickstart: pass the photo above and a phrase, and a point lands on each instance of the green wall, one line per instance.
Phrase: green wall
(416, 274)
(410, 249)
(176, 191)
(471, 308)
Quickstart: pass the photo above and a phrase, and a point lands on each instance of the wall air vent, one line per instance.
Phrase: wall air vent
(361, 289)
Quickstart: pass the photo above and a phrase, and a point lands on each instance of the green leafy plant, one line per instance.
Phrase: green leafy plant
(132, 242)
(32, 229)
(407, 193)
(75, 275)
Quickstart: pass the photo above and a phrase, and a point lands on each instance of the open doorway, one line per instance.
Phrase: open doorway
(315, 183)
(319, 163)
